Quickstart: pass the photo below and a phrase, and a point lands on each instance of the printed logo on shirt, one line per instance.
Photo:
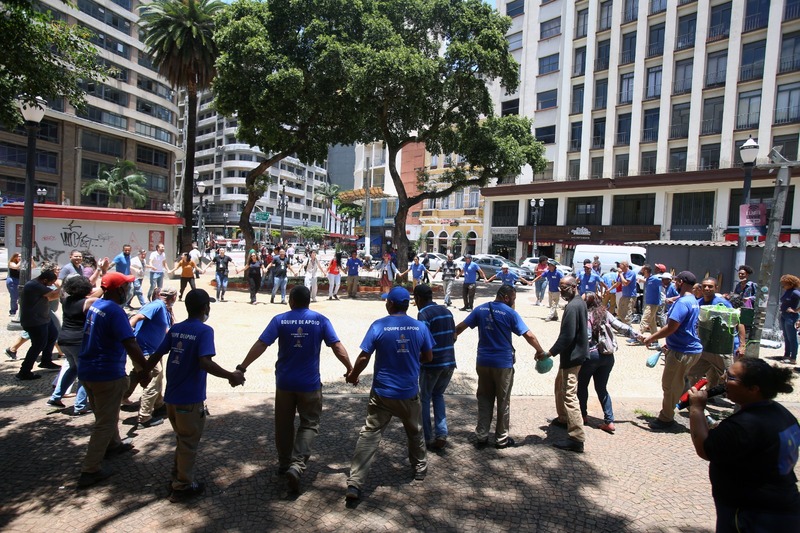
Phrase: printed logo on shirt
(298, 338)
(402, 344)
(177, 350)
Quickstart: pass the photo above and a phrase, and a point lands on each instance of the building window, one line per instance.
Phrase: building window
(713, 108)
(548, 64)
(579, 66)
(749, 109)
(677, 160)
(585, 211)
(787, 106)
(154, 132)
(108, 17)
(505, 214)
(791, 10)
(547, 99)
(630, 11)
(509, 107)
(154, 110)
(655, 45)
(604, 21)
(634, 210)
(515, 8)
(109, 43)
(709, 156)
(582, 26)
(657, 6)
(720, 22)
(623, 129)
(628, 54)
(600, 94)
(459, 200)
(683, 76)
(648, 162)
(753, 60)
(151, 156)
(790, 53)
(599, 132)
(788, 145)
(757, 15)
(104, 117)
(680, 121)
(514, 41)
(574, 171)
(687, 28)
(650, 125)
(550, 28)
(603, 55)
(653, 89)
(546, 134)
(576, 132)
(716, 68)
(109, 94)
(760, 195)
(101, 144)
(597, 168)
(621, 162)
(626, 88)
(577, 99)
(16, 155)
(152, 86)
(474, 197)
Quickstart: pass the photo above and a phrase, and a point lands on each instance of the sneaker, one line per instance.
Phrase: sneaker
(329, 298)
(27, 376)
(49, 366)
(420, 472)
(195, 489)
(55, 403)
(124, 447)
(88, 479)
(81, 412)
(272, 300)
(352, 494)
(11, 354)
(335, 297)
(151, 422)
(293, 479)
(608, 427)
(658, 425)
(508, 443)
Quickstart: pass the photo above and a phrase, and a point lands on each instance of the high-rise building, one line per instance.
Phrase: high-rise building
(642, 106)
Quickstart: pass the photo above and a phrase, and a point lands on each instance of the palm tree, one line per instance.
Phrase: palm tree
(119, 182)
(179, 40)
(327, 193)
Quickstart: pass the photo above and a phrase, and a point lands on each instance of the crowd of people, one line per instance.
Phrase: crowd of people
(414, 361)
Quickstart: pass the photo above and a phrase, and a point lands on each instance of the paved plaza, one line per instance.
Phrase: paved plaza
(632, 481)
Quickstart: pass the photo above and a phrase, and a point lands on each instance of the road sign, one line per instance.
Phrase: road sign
(262, 217)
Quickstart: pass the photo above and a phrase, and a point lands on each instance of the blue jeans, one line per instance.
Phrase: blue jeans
(137, 291)
(68, 376)
(12, 284)
(279, 281)
(222, 284)
(156, 279)
(731, 519)
(540, 290)
(600, 370)
(789, 335)
(432, 384)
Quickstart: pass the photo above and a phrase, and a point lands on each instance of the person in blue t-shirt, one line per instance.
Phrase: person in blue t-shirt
(683, 348)
(651, 300)
(589, 280)
(417, 270)
(496, 321)
(507, 277)
(150, 325)
(400, 344)
(190, 345)
(107, 336)
(553, 277)
(122, 264)
(626, 284)
(300, 334)
(609, 300)
(790, 312)
(353, 265)
(470, 272)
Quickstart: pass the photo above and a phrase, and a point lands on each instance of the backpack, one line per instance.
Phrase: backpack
(606, 342)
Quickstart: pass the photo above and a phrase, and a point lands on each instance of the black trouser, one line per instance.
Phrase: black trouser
(185, 282)
(43, 338)
(468, 293)
(254, 283)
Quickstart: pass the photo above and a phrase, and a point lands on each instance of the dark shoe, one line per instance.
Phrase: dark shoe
(195, 489)
(282, 470)
(352, 494)
(420, 473)
(152, 422)
(55, 403)
(558, 423)
(28, 376)
(293, 479)
(481, 444)
(272, 300)
(508, 443)
(463, 308)
(607, 427)
(283, 302)
(439, 444)
(11, 355)
(335, 297)
(88, 479)
(569, 445)
(658, 425)
(81, 412)
(49, 366)
(124, 447)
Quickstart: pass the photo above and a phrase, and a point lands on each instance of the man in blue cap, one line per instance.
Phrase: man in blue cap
(400, 343)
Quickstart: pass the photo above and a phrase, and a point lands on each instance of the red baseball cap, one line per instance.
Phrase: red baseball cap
(115, 280)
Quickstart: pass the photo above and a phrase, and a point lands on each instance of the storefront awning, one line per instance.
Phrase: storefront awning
(360, 194)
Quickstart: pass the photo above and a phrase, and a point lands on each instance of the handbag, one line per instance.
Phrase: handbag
(606, 343)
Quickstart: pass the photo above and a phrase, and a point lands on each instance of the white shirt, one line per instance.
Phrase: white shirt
(194, 255)
(158, 260)
(137, 268)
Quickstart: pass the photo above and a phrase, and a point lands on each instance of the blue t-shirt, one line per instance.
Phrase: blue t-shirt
(652, 290)
(790, 300)
(102, 356)
(507, 278)
(470, 271)
(150, 332)
(122, 264)
(685, 312)
(353, 264)
(671, 292)
(609, 279)
(300, 334)
(417, 270)
(186, 343)
(628, 290)
(440, 322)
(398, 341)
(588, 282)
(553, 278)
(496, 321)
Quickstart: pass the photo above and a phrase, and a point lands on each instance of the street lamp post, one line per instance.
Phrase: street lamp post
(282, 207)
(748, 153)
(41, 194)
(537, 206)
(225, 229)
(33, 115)
(201, 189)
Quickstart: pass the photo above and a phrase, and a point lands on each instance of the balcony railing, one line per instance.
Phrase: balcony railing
(755, 21)
(680, 167)
(685, 41)
(752, 71)
(682, 86)
(601, 63)
(598, 141)
(748, 120)
(626, 97)
(649, 135)
(630, 15)
(711, 126)
(623, 138)
(657, 6)
(679, 131)
(789, 64)
(708, 165)
(655, 49)
(575, 145)
(718, 31)
(791, 11)
(787, 115)
(627, 56)
(715, 78)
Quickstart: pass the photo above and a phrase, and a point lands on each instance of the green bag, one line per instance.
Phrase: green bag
(717, 327)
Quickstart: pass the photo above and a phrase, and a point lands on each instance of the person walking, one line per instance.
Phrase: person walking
(470, 272)
(354, 263)
(278, 267)
(553, 277)
(122, 264)
(683, 348)
(156, 263)
(418, 271)
(435, 376)
(12, 283)
(572, 345)
(333, 271)
(790, 312)
(221, 263)
(496, 321)
(651, 300)
(589, 280)
(400, 344)
(138, 269)
(448, 270)
(507, 277)
(187, 267)
(610, 296)
(626, 284)
(387, 273)
(297, 375)
(34, 317)
(312, 270)
(539, 282)
(254, 271)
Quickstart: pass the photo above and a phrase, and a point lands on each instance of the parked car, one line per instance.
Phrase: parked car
(531, 262)
(435, 260)
(491, 265)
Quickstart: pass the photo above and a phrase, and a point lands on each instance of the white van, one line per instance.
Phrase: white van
(609, 256)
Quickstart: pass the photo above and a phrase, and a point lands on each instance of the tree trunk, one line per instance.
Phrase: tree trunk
(400, 237)
(254, 192)
(188, 170)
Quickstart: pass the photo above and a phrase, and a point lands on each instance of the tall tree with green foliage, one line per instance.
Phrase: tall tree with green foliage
(120, 182)
(328, 194)
(41, 57)
(179, 39)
